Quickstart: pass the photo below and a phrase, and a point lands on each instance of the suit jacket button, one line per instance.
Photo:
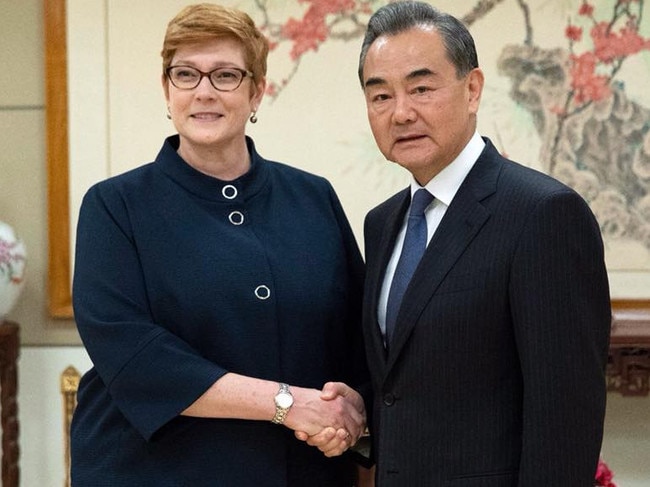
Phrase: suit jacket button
(389, 399)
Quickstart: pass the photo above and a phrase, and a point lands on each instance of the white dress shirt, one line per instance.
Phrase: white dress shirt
(443, 187)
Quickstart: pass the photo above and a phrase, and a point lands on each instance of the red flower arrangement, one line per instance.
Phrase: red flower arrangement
(604, 475)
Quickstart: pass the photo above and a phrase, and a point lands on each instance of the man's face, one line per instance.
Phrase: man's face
(421, 114)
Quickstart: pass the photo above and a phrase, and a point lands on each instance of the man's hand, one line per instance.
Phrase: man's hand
(337, 438)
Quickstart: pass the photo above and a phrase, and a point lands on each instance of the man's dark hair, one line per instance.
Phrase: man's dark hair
(398, 17)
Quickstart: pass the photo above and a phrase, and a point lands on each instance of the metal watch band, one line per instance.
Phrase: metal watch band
(280, 412)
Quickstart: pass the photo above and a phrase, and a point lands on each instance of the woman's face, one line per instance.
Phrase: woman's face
(203, 116)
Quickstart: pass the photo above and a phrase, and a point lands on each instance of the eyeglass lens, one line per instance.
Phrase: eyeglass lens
(223, 79)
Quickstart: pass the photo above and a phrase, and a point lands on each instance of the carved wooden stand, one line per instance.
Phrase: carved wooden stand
(9, 346)
(69, 386)
(628, 367)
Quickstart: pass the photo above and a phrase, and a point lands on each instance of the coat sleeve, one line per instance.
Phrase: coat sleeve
(151, 374)
(562, 316)
(359, 377)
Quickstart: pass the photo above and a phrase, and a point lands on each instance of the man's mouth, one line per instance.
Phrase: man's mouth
(408, 138)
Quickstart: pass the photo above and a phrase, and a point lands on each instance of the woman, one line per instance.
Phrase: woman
(216, 293)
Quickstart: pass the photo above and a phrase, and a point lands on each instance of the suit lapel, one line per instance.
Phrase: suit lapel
(462, 221)
(375, 275)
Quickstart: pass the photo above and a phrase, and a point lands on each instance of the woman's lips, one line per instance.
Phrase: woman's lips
(206, 116)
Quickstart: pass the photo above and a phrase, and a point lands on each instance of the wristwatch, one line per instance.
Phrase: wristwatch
(283, 402)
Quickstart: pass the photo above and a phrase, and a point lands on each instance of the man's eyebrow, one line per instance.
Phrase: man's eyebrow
(419, 72)
(375, 81)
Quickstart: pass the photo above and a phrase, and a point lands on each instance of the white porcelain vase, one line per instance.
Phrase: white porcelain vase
(13, 258)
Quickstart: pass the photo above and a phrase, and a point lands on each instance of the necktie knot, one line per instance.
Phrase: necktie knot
(421, 199)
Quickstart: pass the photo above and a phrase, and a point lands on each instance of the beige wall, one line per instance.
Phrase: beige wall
(23, 205)
(23, 184)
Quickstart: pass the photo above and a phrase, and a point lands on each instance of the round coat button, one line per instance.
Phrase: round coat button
(229, 192)
(389, 399)
(262, 292)
(236, 217)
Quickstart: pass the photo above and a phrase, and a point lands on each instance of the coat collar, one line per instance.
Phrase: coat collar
(208, 187)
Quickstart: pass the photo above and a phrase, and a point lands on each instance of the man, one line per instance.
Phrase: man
(491, 371)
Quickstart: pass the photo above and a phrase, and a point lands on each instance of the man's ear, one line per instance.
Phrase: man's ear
(475, 81)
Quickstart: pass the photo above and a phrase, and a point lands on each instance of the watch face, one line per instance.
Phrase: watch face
(284, 400)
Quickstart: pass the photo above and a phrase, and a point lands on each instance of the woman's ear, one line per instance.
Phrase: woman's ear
(259, 89)
(165, 86)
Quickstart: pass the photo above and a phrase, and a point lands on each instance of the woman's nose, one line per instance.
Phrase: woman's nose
(205, 88)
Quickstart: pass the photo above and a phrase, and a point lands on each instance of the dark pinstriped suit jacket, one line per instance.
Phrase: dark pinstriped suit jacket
(495, 376)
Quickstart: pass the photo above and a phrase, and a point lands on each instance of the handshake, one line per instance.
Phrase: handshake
(331, 420)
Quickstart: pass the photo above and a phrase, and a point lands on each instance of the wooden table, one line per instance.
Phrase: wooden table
(9, 349)
(628, 367)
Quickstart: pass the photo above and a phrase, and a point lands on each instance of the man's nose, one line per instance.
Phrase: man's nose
(404, 111)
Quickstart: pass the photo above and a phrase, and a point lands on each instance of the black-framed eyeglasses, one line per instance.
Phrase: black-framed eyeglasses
(222, 79)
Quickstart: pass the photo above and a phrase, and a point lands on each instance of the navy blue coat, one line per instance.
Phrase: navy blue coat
(180, 278)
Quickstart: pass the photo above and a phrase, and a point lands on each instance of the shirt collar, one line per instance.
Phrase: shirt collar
(446, 183)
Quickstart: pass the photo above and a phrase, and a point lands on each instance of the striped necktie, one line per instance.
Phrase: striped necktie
(415, 242)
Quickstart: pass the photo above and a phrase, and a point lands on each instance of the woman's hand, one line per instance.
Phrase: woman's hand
(350, 422)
